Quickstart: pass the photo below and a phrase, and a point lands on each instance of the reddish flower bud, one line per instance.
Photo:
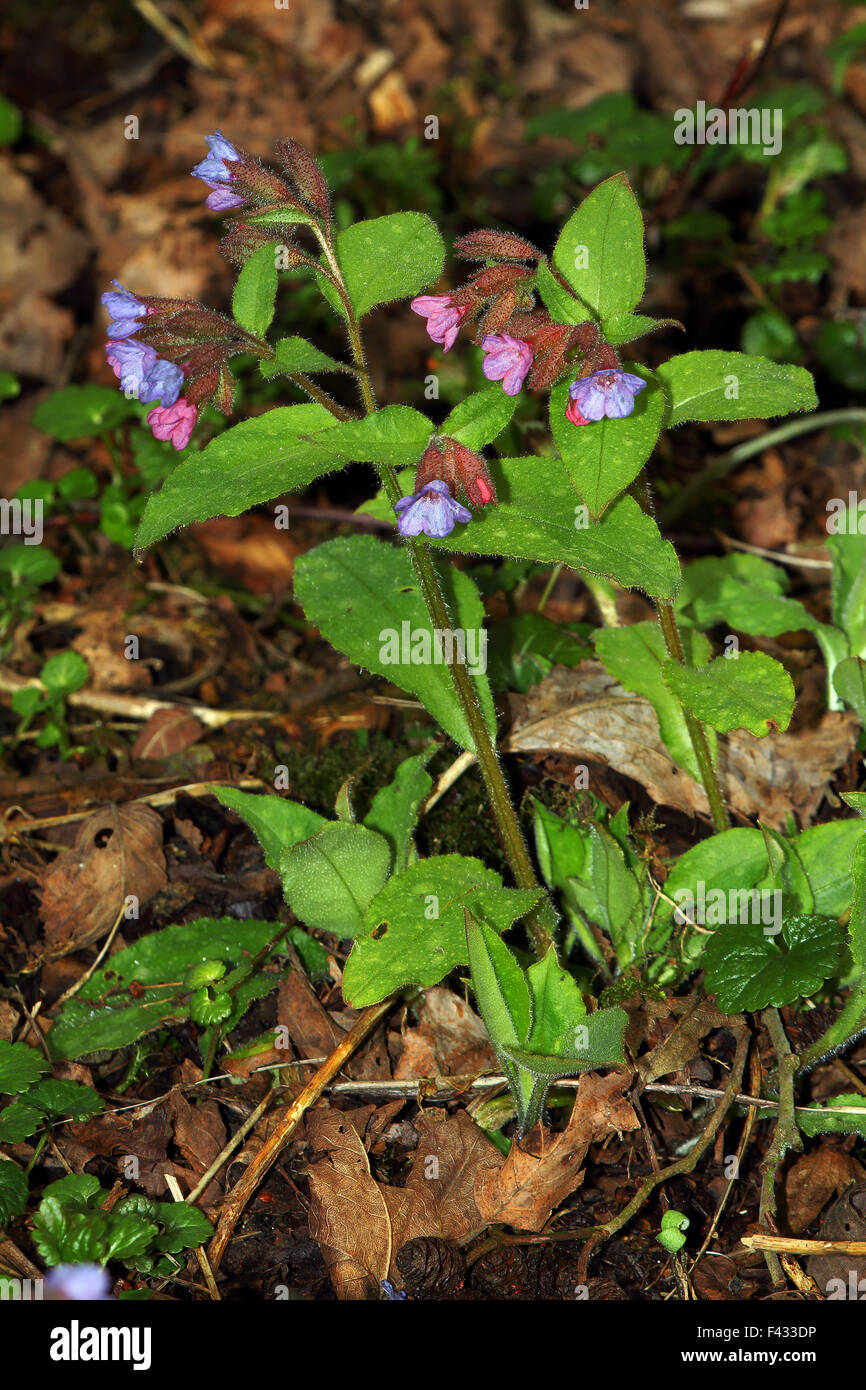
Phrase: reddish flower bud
(488, 245)
(201, 388)
(472, 473)
(494, 278)
(306, 175)
(256, 183)
(498, 315)
(241, 240)
(224, 394)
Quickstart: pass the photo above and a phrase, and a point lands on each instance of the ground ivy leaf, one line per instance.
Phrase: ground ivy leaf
(602, 458)
(745, 969)
(600, 250)
(404, 943)
(13, 1192)
(330, 879)
(20, 1066)
(750, 691)
(732, 386)
(248, 464)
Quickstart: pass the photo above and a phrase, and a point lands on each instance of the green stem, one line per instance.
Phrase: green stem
(434, 599)
(673, 643)
(720, 467)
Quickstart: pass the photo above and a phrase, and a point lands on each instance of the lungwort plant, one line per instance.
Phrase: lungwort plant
(557, 326)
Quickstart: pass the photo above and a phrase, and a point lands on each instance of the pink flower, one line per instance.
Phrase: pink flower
(508, 360)
(175, 422)
(573, 414)
(443, 317)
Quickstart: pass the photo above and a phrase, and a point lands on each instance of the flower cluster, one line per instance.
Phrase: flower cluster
(520, 341)
(160, 348)
(446, 465)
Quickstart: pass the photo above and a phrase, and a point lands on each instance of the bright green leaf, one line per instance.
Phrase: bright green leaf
(480, 417)
(275, 821)
(389, 258)
(330, 879)
(750, 691)
(255, 291)
(600, 250)
(731, 386)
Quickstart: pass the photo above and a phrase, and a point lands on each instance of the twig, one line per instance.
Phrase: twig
(271, 1149)
(686, 1164)
(73, 989)
(173, 1186)
(785, 1135)
(10, 829)
(139, 706)
(447, 780)
(792, 1245)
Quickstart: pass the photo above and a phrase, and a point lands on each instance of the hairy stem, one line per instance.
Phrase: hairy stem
(851, 1021)
(673, 642)
(431, 590)
(785, 1135)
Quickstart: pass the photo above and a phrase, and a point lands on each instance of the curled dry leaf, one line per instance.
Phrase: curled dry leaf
(846, 1220)
(681, 1046)
(167, 731)
(118, 853)
(539, 1174)
(585, 713)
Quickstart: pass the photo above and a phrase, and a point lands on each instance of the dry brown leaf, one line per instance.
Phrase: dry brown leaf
(167, 731)
(450, 1040)
(814, 1179)
(118, 853)
(540, 1173)
(348, 1214)
(584, 713)
(846, 1220)
(452, 1154)
(681, 1045)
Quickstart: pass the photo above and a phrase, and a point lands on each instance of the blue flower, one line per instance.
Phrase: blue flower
(162, 383)
(125, 311)
(609, 393)
(130, 361)
(432, 510)
(390, 1294)
(84, 1283)
(213, 172)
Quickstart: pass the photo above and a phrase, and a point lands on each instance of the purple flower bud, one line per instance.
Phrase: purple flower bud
(214, 173)
(432, 510)
(130, 361)
(85, 1283)
(125, 311)
(609, 393)
(508, 360)
(443, 317)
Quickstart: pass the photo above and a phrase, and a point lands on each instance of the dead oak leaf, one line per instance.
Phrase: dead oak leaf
(348, 1214)
(541, 1172)
(452, 1155)
(815, 1178)
(584, 713)
(118, 853)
